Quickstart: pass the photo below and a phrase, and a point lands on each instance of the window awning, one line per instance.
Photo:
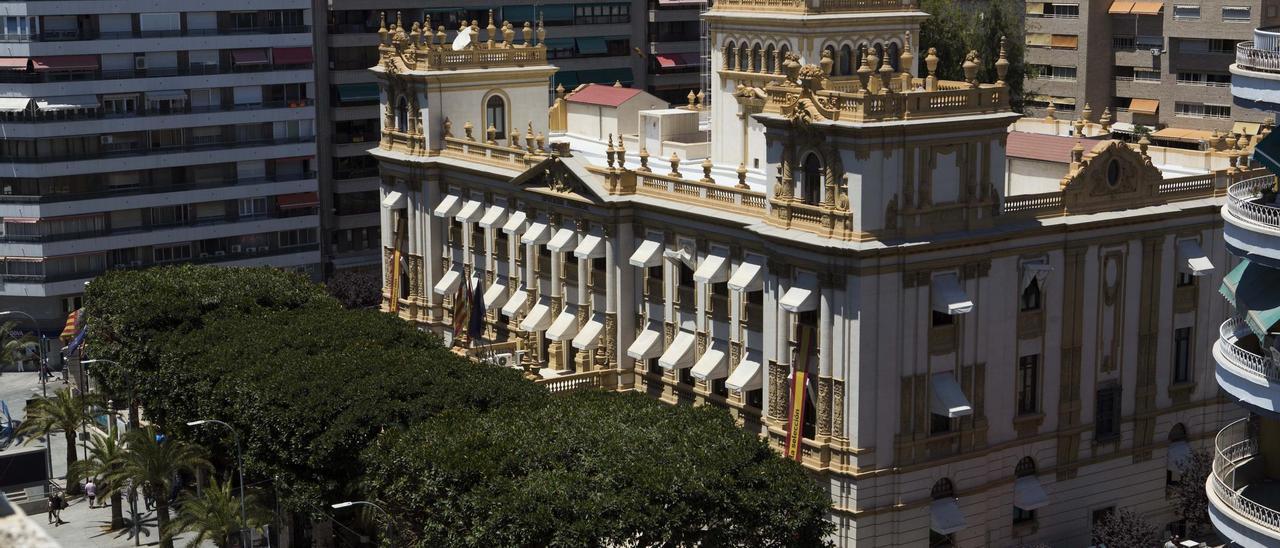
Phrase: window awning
(948, 297)
(1246, 128)
(1069, 41)
(538, 319)
(946, 398)
(70, 102)
(355, 93)
(648, 345)
(167, 95)
(518, 14)
(1121, 7)
(1255, 292)
(14, 63)
(1176, 457)
(945, 516)
(448, 283)
(449, 205)
(515, 223)
(496, 295)
(394, 200)
(538, 233)
(606, 76)
(1038, 271)
(1186, 135)
(562, 241)
(589, 335)
(1035, 8)
(592, 46)
(678, 60)
(1042, 39)
(746, 376)
(14, 104)
(255, 56)
(680, 354)
(714, 269)
(515, 303)
(712, 365)
(1144, 106)
(1267, 152)
(800, 298)
(291, 56)
(564, 327)
(1028, 494)
(590, 246)
(749, 276)
(66, 62)
(557, 12)
(1193, 259)
(649, 253)
(298, 200)
(469, 212)
(1147, 8)
(494, 215)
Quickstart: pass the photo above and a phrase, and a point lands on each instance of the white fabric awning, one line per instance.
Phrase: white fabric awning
(647, 345)
(1176, 458)
(589, 335)
(948, 297)
(69, 102)
(1028, 494)
(515, 303)
(749, 276)
(538, 233)
(493, 216)
(394, 200)
(448, 283)
(1038, 271)
(496, 295)
(714, 364)
(945, 516)
(538, 319)
(470, 212)
(515, 223)
(714, 269)
(589, 247)
(563, 240)
(449, 205)
(680, 354)
(800, 298)
(564, 327)
(746, 376)
(648, 254)
(1193, 259)
(14, 104)
(946, 398)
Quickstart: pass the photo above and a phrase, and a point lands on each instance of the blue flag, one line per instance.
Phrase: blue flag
(476, 326)
(75, 343)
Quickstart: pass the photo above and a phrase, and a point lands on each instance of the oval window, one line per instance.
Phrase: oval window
(1113, 172)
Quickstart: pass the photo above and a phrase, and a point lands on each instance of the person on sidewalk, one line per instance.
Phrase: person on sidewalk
(91, 492)
(58, 503)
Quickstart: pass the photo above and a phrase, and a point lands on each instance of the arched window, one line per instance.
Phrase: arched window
(810, 191)
(495, 115)
(895, 56)
(404, 278)
(879, 48)
(1026, 467)
(730, 53)
(858, 56)
(1178, 433)
(942, 489)
(768, 58)
(755, 58)
(1025, 492)
(846, 61)
(402, 114)
(744, 58)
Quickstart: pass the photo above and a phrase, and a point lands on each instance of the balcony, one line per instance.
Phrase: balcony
(35, 117)
(150, 189)
(1250, 57)
(78, 35)
(1244, 499)
(1252, 215)
(1245, 369)
(38, 77)
(242, 258)
(140, 149)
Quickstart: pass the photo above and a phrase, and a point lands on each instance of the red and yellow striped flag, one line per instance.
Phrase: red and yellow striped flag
(72, 326)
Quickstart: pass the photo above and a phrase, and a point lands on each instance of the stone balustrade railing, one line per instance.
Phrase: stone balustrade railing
(708, 194)
(1253, 58)
(1234, 446)
(820, 6)
(848, 104)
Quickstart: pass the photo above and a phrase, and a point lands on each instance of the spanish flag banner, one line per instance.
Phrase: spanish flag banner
(799, 383)
(72, 327)
(393, 301)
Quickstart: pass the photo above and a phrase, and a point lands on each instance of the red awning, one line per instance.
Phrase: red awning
(674, 60)
(249, 56)
(13, 63)
(291, 56)
(299, 200)
(66, 62)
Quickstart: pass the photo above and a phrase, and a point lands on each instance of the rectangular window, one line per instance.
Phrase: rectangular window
(1186, 13)
(167, 254)
(1236, 14)
(1028, 384)
(252, 207)
(1219, 45)
(939, 424)
(1186, 279)
(1197, 110)
(941, 319)
(1023, 516)
(299, 237)
(1106, 420)
(1148, 76)
(1182, 355)
(1062, 11)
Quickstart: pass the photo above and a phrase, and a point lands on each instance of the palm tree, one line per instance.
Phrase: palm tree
(214, 515)
(106, 455)
(16, 347)
(153, 464)
(65, 412)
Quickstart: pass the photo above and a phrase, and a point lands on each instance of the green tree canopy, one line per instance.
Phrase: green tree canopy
(956, 27)
(592, 469)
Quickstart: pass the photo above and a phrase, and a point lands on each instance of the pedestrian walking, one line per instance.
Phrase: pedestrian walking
(58, 502)
(91, 492)
(53, 506)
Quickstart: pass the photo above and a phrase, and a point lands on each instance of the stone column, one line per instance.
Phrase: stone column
(609, 337)
(434, 241)
(826, 324)
(582, 361)
(555, 360)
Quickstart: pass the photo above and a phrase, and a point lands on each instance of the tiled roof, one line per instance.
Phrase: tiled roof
(598, 94)
(1047, 148)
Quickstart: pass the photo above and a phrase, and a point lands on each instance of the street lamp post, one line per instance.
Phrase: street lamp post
(44, 389)
(129, 380)
(386, 515)
(244, 523)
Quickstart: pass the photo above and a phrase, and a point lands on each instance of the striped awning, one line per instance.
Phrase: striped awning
(1255, 292)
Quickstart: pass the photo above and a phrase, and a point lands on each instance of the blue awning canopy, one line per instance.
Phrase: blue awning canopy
(1255, 292)
(1267, 152)
(592, 46)
(356, 93)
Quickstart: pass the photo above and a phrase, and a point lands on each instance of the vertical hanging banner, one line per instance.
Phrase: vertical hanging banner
(799, 383)
(394, 292)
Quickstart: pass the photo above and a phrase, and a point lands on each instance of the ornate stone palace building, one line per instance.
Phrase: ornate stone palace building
(992, 362)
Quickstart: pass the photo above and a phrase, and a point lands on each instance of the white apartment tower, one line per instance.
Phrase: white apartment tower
(140, 133)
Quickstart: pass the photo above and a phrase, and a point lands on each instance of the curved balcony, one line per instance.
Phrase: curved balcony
(1245, 370)
(1244, 505)
(1252, 213)
(1251, 57)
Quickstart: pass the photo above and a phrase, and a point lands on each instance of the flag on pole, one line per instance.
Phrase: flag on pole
(476, 327)
(76, 342)
(74, 322)
(462, 308)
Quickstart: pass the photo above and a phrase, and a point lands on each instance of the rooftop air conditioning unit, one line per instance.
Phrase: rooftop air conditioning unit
(505, 360)
(140, 62)
(235, 248)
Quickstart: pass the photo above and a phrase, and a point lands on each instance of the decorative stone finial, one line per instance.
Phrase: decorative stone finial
(527, 33)
(742, 176)
(1143, 143)
(1087, 113)
(1105, 121)
(675, 165)
(864, 70)
(1050, 112)
(644, 159)
(970, 67)
(559, 91)
(692, 100)
(608, 152)
(706, 170)
(528, 137)
(490, 30)
(441, 35)
(906, 62)
(466, 128)
(931, 64)
(513, 140)
(491, 135)
(621, 153)
(382, 28)
(827, 63)
(886, 75)
(542, 31)
(1077, 152)
(448, 125)
(700, 98)
(1002, 64)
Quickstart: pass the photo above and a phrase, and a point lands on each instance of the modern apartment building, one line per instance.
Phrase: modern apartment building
(653, 44)
(139, 133)
(1244, 502)
(1152, 63)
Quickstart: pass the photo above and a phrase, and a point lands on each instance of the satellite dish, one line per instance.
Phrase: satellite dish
(463, 40)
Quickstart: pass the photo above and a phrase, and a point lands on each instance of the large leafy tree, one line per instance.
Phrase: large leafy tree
(1124, 527)
(65, 412)
(153, 463)
(214, 515)
(592, 469)
(956, 27)
(356, 288)
(1190, 501)
(106, 457)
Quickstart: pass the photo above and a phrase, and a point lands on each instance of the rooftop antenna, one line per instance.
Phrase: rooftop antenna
(463, 39)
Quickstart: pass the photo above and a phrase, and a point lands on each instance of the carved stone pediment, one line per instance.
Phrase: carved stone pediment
(1110, 172)
(556, 176)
